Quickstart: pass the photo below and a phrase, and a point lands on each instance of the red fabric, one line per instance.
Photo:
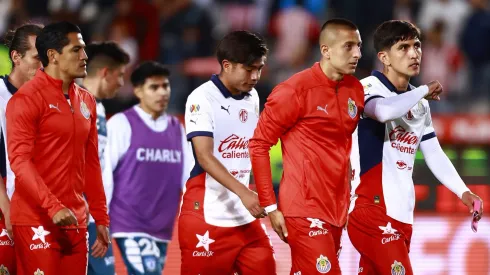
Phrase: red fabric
(63, 251)
(245, 249)
(7, 252)
(379, 249)
(53, 151)
(314, 249)
(310, 114)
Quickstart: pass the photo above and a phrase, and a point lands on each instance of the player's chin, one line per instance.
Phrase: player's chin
(80, 73)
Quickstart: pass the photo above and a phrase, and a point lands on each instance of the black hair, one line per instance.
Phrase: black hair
(18, 38)
(105, 54)
(241, 47)
(146, 70)
(54, 36)
(391, 32)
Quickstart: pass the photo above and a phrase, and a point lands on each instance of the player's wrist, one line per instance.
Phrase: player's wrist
(271, 208)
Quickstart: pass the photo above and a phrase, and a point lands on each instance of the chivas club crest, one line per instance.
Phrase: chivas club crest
(397, 269)
(323, 265)
(351, 108)
(4, 270)
(84, 110)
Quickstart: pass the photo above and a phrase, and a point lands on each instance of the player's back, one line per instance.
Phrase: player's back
(230, 120)
(384, 163)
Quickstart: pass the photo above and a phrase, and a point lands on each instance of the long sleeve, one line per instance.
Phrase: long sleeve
(390, 108)
(118, 141)
(274, 122)
(94, 188)
(441, 166)
(187, 158)
(23, 115)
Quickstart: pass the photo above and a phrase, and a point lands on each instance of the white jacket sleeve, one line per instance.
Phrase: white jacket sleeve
(118, 141)
(441, 166)
(390, 108)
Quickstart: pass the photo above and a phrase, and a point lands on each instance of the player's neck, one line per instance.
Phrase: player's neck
(400, 81)
(154, 115)
(55, 73)
(16, 78)
(228, 86)
(330, 71)
(93, 86)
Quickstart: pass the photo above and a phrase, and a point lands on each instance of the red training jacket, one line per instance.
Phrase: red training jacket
(314, 117)
(53, 151)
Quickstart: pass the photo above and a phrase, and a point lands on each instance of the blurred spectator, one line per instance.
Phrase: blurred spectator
(406, 10)
(476, 45)
(451, 12)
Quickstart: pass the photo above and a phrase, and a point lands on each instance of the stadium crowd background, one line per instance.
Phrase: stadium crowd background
(456, 51)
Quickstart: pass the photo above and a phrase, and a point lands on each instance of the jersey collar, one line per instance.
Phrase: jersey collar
(226, 93)
(388, 83)
(9, 85)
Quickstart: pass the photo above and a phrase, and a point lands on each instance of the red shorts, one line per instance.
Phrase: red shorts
(315, 246)
(7, 252)
(384, 243)
(51, 250)
(211, 250)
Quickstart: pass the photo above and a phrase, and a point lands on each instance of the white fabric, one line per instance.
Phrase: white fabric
(232, 123)
(402, 137)
(270, 208)
(119, 140)
(5, 96)
(390, 108)
(441, 167)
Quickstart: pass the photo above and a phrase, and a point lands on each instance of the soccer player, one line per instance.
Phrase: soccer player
(218, 229)
(396, 122)
(25, 63)
(106, 65)
(52, 148)
(314, 114)
(147, 163)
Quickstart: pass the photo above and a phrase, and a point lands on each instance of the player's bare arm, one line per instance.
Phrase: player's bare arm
(204, 148)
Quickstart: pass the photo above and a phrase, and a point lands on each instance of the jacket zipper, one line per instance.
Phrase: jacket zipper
(74, 133)
(343, 127)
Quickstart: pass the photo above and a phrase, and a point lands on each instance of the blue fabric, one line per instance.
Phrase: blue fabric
(99, 266)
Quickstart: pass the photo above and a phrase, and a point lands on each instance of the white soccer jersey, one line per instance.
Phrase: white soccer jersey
(5, 96)
(383, 154)
(212, 111)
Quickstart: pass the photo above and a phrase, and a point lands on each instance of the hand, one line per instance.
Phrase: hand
(279, 224)
(468, 198)
(8, 226)
(435, 89)
(99, 249)
(251, 201)
(65, 217)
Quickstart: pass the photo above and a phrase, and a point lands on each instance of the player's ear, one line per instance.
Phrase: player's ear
(104, 72)
(226, 65)
(324, 49)
(384, 58)
(16, 57)
(138, 92)
(53, 56)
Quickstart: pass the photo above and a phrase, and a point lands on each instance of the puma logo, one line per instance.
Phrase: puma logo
(320, 108)
(51, 106)
(193, 121)
(226, 109)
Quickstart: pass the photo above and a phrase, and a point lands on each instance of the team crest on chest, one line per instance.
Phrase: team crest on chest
(243, 115)
(351, 108)
(84, 110)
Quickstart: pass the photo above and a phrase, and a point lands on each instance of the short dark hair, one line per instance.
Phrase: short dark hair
(340, 22)
(391, 32)
(241, 47)
(146, 70)
(54, 36)
(105, 54)
(18, 39)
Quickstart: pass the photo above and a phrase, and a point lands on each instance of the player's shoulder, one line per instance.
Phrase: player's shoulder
(202, 93)
(85, 95)
(117, 120)
(300, 81)
(373, 86)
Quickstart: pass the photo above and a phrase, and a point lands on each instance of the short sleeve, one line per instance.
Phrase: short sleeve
(198, 116)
